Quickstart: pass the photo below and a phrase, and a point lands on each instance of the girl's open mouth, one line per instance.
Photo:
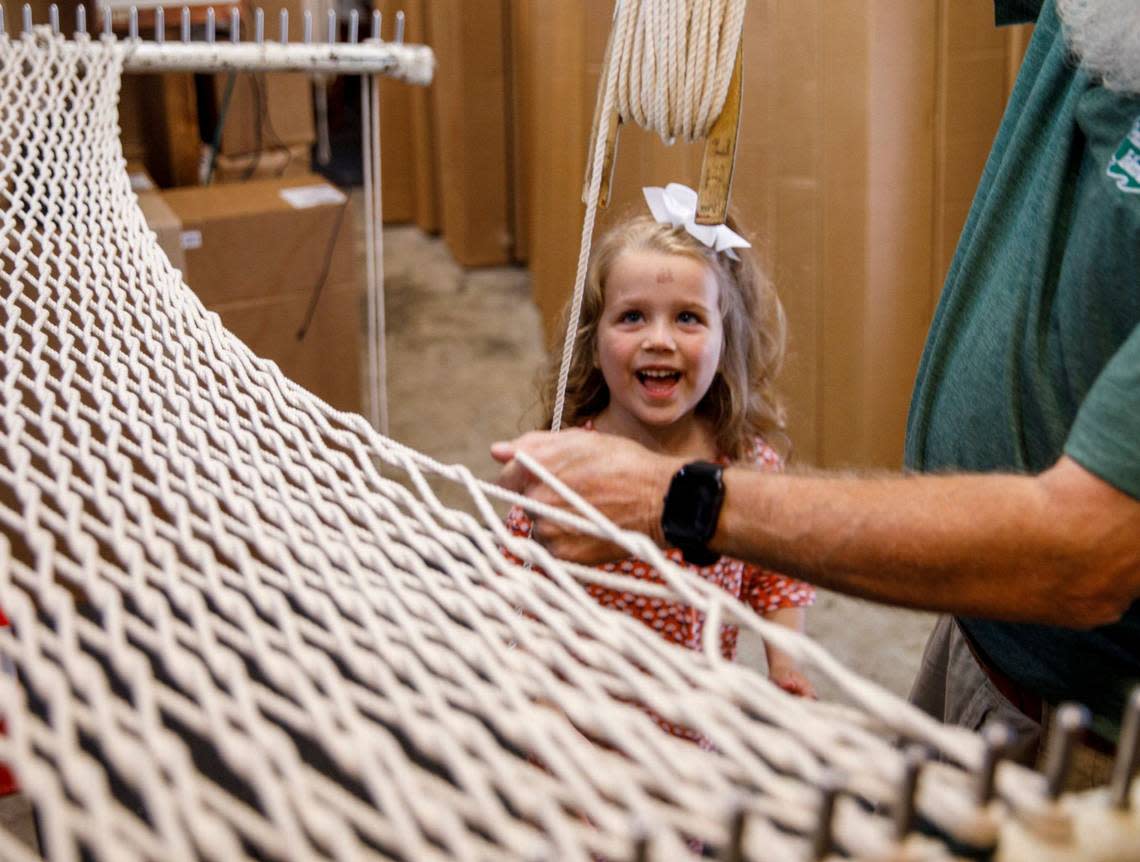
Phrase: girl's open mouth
(658, 381)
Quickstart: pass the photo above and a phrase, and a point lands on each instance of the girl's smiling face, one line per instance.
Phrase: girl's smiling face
(659, 340)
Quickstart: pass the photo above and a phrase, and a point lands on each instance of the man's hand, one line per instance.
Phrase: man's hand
(625, 481)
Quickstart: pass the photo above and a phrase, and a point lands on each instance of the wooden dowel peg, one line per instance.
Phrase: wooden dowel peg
(823, 838)
(640, 846)
(904, 814)
(720, 152)
(1127, 754)
(734, 849)
(608, 126)
(1069, 723)
(997, 738)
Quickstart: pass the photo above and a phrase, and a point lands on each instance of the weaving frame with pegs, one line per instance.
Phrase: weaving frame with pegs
(241, 559)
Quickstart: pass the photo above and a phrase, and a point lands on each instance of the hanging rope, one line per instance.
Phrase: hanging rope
(669, 68)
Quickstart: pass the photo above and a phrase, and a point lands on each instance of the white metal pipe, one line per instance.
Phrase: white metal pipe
(414, 64)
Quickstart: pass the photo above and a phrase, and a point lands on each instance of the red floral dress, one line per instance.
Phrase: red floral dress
(762, 590)
(7, 782)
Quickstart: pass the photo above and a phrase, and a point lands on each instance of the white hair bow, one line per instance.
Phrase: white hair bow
(676, 204)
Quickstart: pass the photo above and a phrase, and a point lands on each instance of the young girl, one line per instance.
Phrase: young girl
(678, 349)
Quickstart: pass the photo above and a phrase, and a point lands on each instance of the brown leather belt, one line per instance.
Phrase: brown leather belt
(1028, 704)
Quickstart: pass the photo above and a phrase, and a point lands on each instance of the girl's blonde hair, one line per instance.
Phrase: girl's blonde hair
(742, 402)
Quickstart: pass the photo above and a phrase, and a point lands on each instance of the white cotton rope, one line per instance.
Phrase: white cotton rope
(669, 67)
(377, 348)
(234, 638)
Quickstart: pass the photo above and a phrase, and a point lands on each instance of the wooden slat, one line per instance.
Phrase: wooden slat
(397, 145)
(720, 153)
(470, 124)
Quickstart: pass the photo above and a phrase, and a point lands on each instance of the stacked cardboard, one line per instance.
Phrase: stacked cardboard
(266, 111)
(255, 253)
(279, 162)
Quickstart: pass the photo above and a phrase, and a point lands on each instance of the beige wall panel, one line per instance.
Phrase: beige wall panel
(794, 244)
(777, 190)
(523, 58)
(471, 132)
(425, 153)
(397, 143)
(897, 308)
(753, 194)
(557, 150)
(408, 153)
(843, 177)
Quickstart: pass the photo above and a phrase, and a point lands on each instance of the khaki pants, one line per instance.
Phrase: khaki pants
(952, 687)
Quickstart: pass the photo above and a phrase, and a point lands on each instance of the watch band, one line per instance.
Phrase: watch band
(692, 509)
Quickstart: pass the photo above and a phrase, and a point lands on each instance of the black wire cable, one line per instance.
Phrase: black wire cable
(319, 287)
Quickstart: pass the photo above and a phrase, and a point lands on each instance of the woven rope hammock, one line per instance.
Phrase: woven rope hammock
(234, 634)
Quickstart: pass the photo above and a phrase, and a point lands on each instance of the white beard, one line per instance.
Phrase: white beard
(1105, 37)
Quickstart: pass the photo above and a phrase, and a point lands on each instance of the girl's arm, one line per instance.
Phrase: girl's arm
(782, 668)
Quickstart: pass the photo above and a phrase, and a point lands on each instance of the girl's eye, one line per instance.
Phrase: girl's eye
(629, 317)
(688, 317)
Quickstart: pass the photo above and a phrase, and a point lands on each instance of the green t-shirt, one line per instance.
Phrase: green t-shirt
(1035, 347)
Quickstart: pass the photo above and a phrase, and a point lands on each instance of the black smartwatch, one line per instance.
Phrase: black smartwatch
(692, 507)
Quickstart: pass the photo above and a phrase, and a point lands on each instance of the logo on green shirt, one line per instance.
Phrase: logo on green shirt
(1125, 164)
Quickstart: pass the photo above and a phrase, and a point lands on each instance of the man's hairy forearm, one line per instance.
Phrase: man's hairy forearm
(1062, 547)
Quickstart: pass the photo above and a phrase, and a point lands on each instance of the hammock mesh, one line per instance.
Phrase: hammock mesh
(232, 637)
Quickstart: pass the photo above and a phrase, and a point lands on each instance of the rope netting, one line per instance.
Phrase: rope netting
(233, 637)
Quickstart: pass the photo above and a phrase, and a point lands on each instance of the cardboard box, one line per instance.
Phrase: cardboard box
(160, 218)
(266, 110)
(132, 122)
(166, 225)
(255, 253)
(326, 361)
(141, 180)
(248, 241)
(268, 164)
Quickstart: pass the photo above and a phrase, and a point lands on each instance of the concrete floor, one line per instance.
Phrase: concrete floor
(464, 350)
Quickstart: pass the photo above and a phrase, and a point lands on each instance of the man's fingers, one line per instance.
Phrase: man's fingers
(503, 451)
(515, 477)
